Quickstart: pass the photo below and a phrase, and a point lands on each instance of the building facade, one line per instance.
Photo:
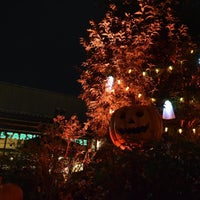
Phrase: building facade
(24, 109)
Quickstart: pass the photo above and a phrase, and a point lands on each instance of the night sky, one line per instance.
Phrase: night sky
(40, 41)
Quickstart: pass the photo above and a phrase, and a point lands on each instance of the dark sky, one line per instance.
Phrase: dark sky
(40, 41)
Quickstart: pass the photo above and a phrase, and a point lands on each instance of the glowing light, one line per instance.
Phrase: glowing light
(153, 100)
(109, 83)
(11, 158)
(194, 131)
(119, 82)
(199, 61)
(127, 88)
(170, 68)
(180, 130)
(181, 99)
(157, 70)
(139, 95)
(144, 73)
(78, 166)
(111, 111)
(168, 112)
(129, 71)
(191, 101)
(60, 158)
(166, 129)
(192, 51)
(99, 144)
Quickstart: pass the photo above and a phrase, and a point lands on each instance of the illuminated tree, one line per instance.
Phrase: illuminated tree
(56, 155)
(134, 56)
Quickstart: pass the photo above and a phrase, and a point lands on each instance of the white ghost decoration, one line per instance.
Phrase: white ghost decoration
(168, 111)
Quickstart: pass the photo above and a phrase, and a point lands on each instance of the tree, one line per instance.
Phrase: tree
(136, 56)
(55, 156)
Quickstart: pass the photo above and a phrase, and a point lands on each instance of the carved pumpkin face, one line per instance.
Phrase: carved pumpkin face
(131, 124)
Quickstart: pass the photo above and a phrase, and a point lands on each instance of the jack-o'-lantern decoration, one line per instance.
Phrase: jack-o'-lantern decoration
(10, 191)
(132, 124)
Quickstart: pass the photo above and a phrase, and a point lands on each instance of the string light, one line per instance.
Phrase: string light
(153, 100)
(191, 51)
(166, 129)
(180, 130)
(144, 73)
(129, 71)
(127, 88)
(139, 95)
(111, 111)
(181, 99)
(118, 82)
(194, 131)
(157, 70)
(170, 68)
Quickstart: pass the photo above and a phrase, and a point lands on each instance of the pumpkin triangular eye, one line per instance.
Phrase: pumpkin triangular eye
(139, 113)
(122, 115)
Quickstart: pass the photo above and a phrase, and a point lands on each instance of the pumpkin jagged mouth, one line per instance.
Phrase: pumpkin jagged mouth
(136, 130)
